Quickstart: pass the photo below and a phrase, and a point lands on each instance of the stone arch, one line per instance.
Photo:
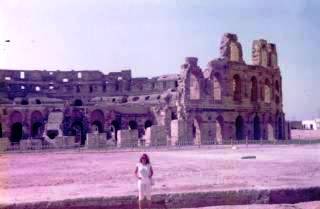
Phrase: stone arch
(270, 129)
(234, 52)
(254, 89)
(16, 116)
(78, 130)
(217, 89)
(97, 119)
(240, 126)
(16, 132)
(77, 102)
(267, 91)
(147, 124)
(256, 128)
(37, 126)
(133, 124)
(196, 131)
(279, 126)
(115, 127)
(219, 129)
(236, 88)
(194, 87)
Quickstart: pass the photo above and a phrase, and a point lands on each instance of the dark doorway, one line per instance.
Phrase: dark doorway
(239, 128)
(99, 125)
(115, 127)
(256, 128)
(133, 124)
(147, 124)
(36, 130)
(52, 133)
(16, 132)
(280, 131)
(79, 132)
(77, 102)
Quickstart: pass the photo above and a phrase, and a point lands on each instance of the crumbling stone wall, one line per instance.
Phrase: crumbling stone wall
(229, 99)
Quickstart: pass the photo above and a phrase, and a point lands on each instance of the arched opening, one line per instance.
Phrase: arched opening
(133, 125)
(267, 91)
(97, 120)
(1, 131)
(115, 126)
(196, 134)
(77, 130)
(219, 129)
(52, 133)
(98, 125)
(277, 86)
(280, 127)
(234, 52)
(37, 127)
(236, 87)
(239, 128)
(216, 87)
(78, 89)
(36, 130)
(270, 131)
(264, 57)
(254, 89)
(16, 132)
(256, 128)
(147, 124)
(24, 102)
(194, 87)
(77, 102)
(38, 101)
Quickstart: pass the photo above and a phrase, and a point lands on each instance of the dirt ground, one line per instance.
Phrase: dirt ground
(28, 177)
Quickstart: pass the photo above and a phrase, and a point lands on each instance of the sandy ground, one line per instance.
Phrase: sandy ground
(71, 174)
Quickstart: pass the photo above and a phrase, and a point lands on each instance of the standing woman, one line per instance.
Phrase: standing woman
(144, 174)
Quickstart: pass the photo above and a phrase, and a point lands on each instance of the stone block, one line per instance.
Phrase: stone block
(180, 134)
(25, 144)
(128, 138)
(4, 144)
(156, 136)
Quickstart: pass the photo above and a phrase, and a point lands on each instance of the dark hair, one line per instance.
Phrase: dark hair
(144, 156)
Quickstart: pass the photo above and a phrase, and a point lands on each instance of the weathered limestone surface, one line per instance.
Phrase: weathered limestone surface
(156, 136)
(128, 138)
(4, 144)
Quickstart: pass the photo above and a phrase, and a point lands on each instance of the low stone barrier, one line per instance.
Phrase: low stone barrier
(183, 200)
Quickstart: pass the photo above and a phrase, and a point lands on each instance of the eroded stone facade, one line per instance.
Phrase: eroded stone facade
(228, 100)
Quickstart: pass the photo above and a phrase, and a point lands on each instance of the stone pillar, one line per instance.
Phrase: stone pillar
(181, 134)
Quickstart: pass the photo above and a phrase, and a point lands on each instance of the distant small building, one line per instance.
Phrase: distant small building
(311, 124)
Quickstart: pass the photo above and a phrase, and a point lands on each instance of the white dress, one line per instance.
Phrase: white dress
(144, 184)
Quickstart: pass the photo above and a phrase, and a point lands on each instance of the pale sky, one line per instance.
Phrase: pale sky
(152, 37)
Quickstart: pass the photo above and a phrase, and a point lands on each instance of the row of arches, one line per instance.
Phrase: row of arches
(78, 126)
(269, 130)
(265, 89)
(237, 90)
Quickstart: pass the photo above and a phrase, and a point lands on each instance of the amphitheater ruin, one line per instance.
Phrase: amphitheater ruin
(229, 100)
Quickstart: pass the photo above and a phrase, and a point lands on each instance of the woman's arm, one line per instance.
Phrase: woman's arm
(151, 171)
(136, 173)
